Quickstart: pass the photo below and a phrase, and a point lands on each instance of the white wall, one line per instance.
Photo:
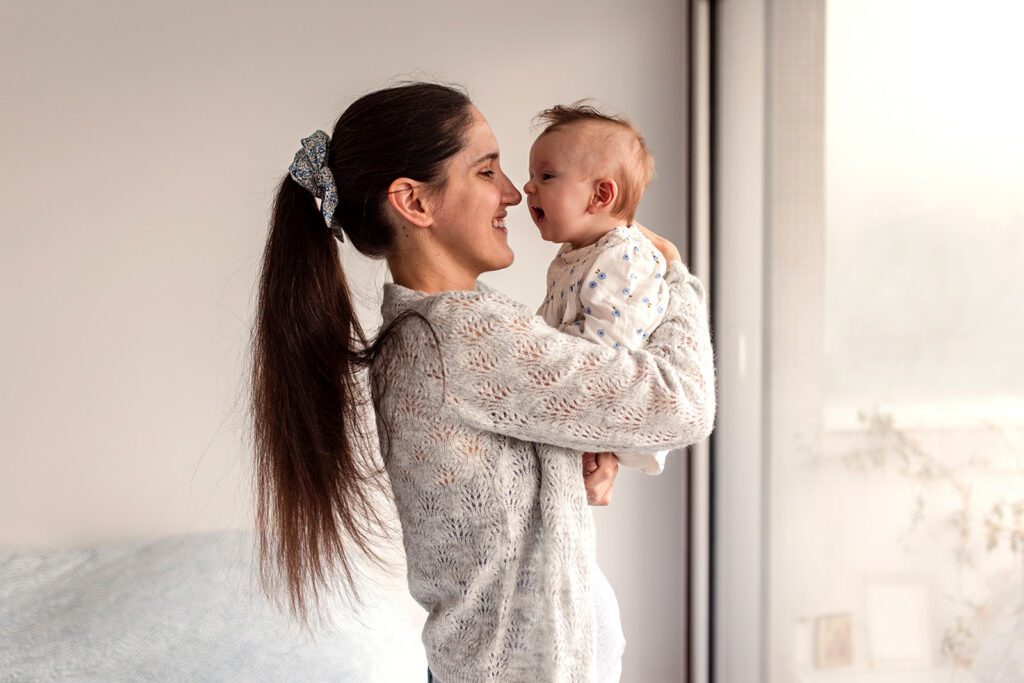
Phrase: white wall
(142, 143)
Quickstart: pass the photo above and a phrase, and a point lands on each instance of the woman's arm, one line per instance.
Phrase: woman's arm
(506, 371)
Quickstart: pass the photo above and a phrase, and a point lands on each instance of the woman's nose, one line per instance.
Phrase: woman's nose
(512, 196)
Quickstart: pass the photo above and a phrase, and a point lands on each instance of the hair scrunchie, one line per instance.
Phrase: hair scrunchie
(310, 169)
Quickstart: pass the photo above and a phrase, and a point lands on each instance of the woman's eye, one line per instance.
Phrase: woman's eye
(489, 174)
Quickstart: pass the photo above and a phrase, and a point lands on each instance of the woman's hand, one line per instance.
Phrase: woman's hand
(664, 246)
(599, 483)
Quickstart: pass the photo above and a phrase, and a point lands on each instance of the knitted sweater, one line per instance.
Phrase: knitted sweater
(487, 422)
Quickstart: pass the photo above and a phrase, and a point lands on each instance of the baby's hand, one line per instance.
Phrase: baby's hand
(600, 483)
(589, 464)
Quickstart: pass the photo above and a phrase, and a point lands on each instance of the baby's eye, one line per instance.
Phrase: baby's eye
(546, 176)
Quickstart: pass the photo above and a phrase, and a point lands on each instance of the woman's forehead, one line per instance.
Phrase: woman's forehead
(480, 142)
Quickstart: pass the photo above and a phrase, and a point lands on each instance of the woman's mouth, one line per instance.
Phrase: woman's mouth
(499, 224)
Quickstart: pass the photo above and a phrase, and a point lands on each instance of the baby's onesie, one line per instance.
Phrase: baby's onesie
(612, 292)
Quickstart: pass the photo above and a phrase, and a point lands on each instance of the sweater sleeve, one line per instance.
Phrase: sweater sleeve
(507, 371)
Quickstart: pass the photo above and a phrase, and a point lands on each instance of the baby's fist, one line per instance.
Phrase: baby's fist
(589, 464)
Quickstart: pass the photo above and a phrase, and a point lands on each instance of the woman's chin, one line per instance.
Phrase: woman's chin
(507, 261)
(502, 259)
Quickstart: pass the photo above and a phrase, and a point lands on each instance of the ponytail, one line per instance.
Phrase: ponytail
(313, 455)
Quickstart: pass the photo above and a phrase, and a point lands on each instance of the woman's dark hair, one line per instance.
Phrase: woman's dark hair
(314, 473)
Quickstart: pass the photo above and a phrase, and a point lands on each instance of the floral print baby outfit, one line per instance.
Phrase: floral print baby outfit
(612, 292)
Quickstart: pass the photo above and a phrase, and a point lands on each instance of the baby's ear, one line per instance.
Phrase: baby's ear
(604, 196)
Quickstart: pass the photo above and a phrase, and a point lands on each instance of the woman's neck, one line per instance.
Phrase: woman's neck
(425, 275)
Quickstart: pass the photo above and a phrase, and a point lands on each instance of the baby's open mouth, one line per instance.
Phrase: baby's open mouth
(538, 213)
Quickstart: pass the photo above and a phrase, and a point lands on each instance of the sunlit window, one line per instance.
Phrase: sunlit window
(897, 520)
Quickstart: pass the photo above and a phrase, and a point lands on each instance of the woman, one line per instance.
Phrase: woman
(482, 409)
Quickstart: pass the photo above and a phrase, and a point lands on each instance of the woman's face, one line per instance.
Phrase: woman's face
(471, 216)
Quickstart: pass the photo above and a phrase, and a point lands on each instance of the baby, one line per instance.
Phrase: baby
(588, 172)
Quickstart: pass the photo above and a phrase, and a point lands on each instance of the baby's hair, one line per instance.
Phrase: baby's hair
(633, 178)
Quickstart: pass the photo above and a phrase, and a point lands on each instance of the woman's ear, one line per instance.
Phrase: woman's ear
(409, 199)
(604, 196)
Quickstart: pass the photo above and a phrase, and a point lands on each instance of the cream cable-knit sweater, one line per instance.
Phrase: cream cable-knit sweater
(487, 425)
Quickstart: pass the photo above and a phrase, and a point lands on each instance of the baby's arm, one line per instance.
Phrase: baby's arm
(624, 297)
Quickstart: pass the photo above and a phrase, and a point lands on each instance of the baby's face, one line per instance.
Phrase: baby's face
(559, 190)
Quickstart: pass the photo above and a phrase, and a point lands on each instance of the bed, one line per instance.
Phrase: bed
(185, 608)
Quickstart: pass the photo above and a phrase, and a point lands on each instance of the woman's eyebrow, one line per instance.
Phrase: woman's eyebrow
(486, 157)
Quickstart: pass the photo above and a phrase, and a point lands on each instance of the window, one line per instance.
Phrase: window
(867, 239)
